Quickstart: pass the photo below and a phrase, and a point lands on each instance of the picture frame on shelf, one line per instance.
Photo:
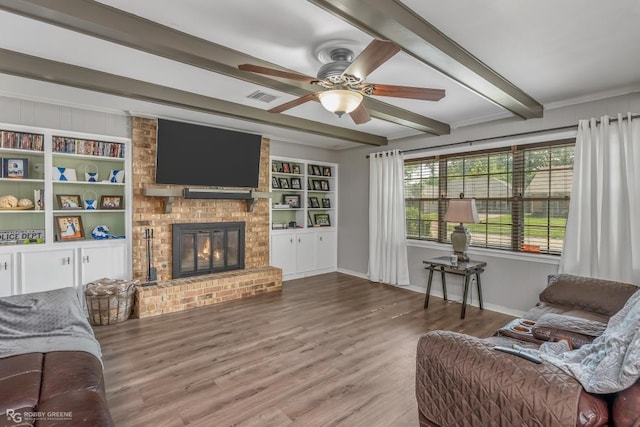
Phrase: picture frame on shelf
(322, 220)
(326, 203)
(69, 201)
(309, 221)
(293, 200)
(274, 167)
(15, 168)
(296, 184)
(284, 182)
(296, 169)
(274, 182)
(317, 185)
(315, 170)
(111, 202)
(68, 228)
(326, 171)
(324, 185)
(313, 202)
(286, 167)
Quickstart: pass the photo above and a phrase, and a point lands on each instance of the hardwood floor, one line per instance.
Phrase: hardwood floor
(327, 350)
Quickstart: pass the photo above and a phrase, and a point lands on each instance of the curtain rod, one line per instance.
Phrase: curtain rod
(472, 141)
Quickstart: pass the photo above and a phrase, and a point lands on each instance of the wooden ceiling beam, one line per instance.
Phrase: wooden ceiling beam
(22, 65)
(392, 20)
(117, 26)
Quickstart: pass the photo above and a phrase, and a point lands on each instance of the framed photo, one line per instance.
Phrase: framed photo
(274, 167)
(316, 170)
(286, 167)
(274, 182)
(296, 169)
(326, 203)
(284, 182)
(317, 185)
(111, 202)
(69, 201)
(324, 184)
(17, 168)
(313, 201)
(322, 220)
(293, 200)
(68, 228)
(296, 184)
(309, 222)
(326, 171)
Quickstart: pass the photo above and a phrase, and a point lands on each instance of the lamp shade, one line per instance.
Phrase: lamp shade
(462, 211)
(340, 101)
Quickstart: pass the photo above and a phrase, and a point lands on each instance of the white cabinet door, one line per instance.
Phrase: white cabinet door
(305, 252)
(99, 262)
(47, 270)
(6, 275)
(327, 250)
(283, 252)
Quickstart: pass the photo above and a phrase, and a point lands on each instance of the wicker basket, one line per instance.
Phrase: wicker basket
(109, 301)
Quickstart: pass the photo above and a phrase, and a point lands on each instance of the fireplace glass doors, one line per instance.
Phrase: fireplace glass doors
(205, 248)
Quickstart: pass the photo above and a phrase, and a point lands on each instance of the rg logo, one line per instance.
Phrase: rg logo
(14, 416)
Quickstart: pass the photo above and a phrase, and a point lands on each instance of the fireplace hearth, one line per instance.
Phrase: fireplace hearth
(206, 248)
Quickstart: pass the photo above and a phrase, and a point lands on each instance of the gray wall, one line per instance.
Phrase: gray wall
(305, 152)
(34, 113)
(511, 283)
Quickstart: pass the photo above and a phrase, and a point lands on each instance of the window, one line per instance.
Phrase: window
(521, 192)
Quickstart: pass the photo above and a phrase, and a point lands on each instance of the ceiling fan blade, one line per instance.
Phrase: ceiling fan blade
(377, 53)
(288, 105)
(360, 115)
(276, 73)
(423, 93)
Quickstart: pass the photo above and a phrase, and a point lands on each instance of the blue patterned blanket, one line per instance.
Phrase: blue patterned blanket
(609, 364)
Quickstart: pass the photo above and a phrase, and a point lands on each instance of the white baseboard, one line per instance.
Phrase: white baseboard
(451, 297)
(353, 273)
(475, 303)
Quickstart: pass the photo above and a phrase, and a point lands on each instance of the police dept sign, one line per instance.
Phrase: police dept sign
(22, 236)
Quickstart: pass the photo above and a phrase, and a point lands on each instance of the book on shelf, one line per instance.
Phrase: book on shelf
(21, 140)
(88, 147)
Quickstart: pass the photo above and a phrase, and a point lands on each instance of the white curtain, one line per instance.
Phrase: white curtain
(603, 228)
(387, 239)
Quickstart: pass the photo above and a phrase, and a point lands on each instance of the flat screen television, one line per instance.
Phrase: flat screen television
(189, 154)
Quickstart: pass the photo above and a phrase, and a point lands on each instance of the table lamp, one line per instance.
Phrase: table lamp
(461, 211)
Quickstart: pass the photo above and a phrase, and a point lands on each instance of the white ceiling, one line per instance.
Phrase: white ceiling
(558, 52)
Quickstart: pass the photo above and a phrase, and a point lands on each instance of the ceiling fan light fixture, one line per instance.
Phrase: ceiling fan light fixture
(340, 101)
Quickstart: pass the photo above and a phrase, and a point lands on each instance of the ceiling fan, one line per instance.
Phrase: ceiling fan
(343, 78)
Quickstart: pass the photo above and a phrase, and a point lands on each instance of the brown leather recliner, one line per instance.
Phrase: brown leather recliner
(63, 388)
(462, 381)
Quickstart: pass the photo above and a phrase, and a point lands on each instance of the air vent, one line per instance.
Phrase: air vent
(262, 97)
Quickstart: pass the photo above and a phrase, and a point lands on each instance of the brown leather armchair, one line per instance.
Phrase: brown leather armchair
(50, 371)
(63, 388)
(462, 381)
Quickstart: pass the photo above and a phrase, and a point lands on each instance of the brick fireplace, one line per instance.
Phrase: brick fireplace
(171, 294)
